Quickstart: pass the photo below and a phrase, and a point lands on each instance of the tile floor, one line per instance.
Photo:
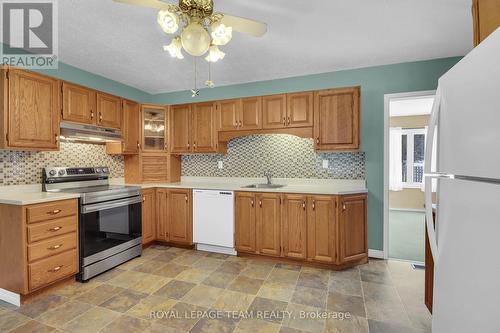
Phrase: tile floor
(193, 291)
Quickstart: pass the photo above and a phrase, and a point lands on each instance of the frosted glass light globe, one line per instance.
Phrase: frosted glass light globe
(195, 39)
(168, 21)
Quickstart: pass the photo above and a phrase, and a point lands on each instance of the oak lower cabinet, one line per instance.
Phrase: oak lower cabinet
(268, 223)
(295, 226)
(174, 220)
(245, 225)
(324, 229)
(41, 241)
(353, 228)
(321, 228)
(148, 216)
(29, 114)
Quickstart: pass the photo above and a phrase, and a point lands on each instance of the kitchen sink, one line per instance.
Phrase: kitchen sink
(264, 186)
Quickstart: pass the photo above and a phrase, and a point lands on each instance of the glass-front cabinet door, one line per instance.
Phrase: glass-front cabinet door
(155, 127)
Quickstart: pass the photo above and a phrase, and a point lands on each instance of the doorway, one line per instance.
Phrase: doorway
(406, 119)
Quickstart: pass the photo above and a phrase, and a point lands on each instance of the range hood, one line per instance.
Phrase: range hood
(89, 133)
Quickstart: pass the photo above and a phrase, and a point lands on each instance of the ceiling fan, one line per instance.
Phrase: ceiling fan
(194, 19)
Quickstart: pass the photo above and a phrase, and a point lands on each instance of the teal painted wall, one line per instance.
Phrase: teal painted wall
(374, 82)
(75, 75)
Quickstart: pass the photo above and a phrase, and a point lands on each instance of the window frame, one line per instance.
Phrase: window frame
(410, 149)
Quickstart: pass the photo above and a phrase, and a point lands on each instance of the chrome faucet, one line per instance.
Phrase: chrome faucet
(269, 176)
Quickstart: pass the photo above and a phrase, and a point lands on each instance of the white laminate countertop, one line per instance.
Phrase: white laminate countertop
(306, 186)
(32, 194)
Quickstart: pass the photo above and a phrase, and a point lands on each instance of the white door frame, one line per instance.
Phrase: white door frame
(387, 98)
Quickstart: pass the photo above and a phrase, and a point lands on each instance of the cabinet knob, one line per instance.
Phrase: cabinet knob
(304, 204)
(241, 123)
(138, 145)
(317, 141)
(143, 198)
(314, 205)
(194, 145)
(186, 197)
(284, 121)
(100, 116)
(343, 207)
(91, 114)
(288, 120)
(252, 203)
(57, 138)
(260, 203)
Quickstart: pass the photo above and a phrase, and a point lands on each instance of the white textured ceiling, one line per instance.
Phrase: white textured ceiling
(124, 42)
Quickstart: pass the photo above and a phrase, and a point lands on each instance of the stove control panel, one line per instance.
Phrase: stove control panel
(58, 172)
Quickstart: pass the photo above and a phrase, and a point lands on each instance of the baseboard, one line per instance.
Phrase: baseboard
(10, 297)
(376, 254)
(217, 249)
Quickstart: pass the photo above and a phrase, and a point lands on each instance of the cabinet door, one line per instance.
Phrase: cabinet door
(131, 127)
(162, 214)
(486, 17)
(33, 118)
(353, 234)
(154, 128)
(300, 109)
(268, 219)
(251, 113)
(203, 128)
(294, 226)
(321, 229)
(79, 104)
(228, 113)
(245, 222)
(148, 216)
(336, 119)
(180, 224)
(109, 111)
(274, 111)
(180, 128)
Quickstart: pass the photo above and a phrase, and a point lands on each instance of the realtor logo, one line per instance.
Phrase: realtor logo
(29, 32)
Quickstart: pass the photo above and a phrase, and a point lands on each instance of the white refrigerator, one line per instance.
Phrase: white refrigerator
(466, 241)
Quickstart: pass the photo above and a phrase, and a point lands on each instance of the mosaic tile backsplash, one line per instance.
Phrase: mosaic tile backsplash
(287, 156)
(20, 167)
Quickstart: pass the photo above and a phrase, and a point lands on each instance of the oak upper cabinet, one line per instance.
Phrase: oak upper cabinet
(245, 226)
(148, 216)
(486, 18)
(228, 114)
(294, 226)
(274, 111)
(180, 227)
(180, 129)
(300, 109)
(353, 233)
(79, 104)
(336, 119)
(109, 111)
(251, 113)
(321, 228)
(154, 128)
(268, 222)
(204, 131)
(131, 130)
(31, 109)
(162, 220)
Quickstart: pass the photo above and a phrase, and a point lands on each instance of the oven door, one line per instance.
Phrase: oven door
(110, 227)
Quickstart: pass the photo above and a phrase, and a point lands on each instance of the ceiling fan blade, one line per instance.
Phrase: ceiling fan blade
(246, 26)
(146, 3)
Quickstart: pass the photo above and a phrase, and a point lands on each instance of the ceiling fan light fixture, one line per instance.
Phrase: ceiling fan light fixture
(221, 34)
(195, 39)
(168, 21)
(214, 54)
(175, 48)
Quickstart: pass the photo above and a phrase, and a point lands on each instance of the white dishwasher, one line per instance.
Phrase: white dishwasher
(213, 221)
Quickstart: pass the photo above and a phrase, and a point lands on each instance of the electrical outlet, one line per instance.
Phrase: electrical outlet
(325, 164)
(220, 164)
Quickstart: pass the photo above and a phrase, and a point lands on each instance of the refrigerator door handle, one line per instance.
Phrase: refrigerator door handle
(431, 232)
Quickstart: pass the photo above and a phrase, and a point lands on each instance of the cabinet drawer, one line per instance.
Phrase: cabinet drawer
(52, 210)
(44, 230)
(51, 246)
(52, 269)
(155, 160)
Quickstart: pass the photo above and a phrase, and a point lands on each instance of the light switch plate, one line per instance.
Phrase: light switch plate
(325, 164)
(220, 164)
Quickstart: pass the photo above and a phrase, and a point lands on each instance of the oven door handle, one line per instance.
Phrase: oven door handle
(110, 204)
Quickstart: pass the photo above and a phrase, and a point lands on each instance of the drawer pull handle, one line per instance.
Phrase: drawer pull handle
(54, 229)
(55, 269)
(55, 247)
(55, 211)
